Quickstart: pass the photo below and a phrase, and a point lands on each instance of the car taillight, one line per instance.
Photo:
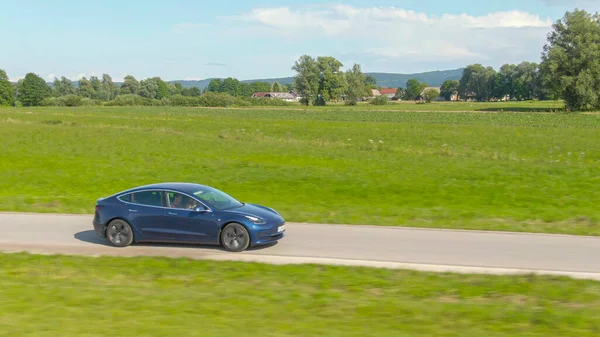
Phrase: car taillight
(98, 208)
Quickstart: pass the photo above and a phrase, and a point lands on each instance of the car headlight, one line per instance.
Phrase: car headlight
(256, 220)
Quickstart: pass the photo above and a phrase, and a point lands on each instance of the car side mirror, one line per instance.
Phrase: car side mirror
(200, 209)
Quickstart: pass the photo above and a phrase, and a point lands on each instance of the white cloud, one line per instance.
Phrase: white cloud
(344, 19)
(390, 33)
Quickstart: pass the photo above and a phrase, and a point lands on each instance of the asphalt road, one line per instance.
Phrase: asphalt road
(420, 249)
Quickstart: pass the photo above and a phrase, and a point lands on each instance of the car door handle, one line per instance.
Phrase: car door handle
(133, 210)
(171, 213)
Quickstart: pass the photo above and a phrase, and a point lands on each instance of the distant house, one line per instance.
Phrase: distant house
(454, 96)
(286, 96)
(389, 92)
(375, 93)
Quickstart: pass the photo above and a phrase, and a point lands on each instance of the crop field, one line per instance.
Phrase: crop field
(111, 296)
(514, 106)
(518, 171)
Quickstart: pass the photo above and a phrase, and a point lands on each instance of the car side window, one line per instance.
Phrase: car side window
(147, 198)
(125, 197)
(180, 201)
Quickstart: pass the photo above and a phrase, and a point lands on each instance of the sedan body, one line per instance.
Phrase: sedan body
(185, 213)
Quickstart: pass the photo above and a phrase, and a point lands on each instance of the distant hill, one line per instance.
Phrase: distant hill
(432, 78)
(204, 83)
(388, 80)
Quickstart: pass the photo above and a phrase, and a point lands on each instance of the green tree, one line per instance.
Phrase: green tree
(232, 86)
(148, 88)
(33, 90)
(571, 60)
(162, 90)
(431, 94)
(195, 92)
(56, 88)
(214, 85)
(448, 89)
(525, 84)
(478, 81)
(99, 90)
(63, 87)
(276, 87)
(176, 89)
(357, 85)
(307, 78)
(109, 87)
(503, 82)
(85, 88)
(246, 89)
(332, 80)
(130, 86)
(371, 82)
(413, 89)
(400, 92)
(7, 92)
(259, 86)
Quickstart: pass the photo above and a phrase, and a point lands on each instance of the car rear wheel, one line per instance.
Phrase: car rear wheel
(235, 237)
(119, 233)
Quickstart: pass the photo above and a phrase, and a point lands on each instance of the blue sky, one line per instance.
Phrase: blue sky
(262, 39)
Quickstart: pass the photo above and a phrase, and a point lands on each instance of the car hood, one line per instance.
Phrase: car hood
(256, 210)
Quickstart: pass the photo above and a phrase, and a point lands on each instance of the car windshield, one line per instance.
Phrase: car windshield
(217, 199)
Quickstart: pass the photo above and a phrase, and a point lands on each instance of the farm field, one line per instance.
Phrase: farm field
(518, 171)
(514, 106)
(76, 296)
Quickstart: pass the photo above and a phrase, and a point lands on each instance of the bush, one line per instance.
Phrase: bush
(180, 100)
(217, 99)
(209, 99)
(319, 101)
(129, 100)
(380, 100)
(70, 101)
(50, 101)
(431, 94)
(351, 101)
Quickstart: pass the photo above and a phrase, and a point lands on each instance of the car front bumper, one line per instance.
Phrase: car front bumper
(273, 234)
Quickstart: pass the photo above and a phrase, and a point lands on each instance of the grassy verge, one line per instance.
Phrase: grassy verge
(502, 171)
(108, 296)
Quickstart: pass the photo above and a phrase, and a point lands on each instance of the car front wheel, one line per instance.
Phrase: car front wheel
(119, 233)
(235, 237)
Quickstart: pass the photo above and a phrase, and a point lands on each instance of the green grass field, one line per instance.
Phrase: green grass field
(110, 296)
(517, 171)
(524, 106)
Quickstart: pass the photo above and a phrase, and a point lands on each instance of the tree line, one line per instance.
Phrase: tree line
(569, 70)
(513, 81)
(33, 90)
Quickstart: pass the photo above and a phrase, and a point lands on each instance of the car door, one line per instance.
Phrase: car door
(147, 213)
(187, 224)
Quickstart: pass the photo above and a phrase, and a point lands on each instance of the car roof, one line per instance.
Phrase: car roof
(185, 187)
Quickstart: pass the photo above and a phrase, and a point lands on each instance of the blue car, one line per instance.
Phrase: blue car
(185, 213)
